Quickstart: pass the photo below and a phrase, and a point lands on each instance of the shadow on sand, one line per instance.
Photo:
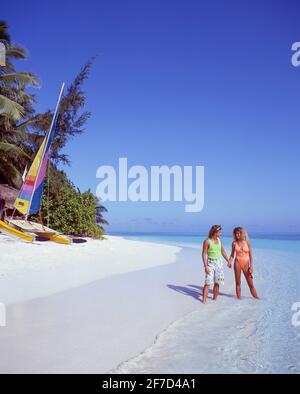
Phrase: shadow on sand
(195, 291)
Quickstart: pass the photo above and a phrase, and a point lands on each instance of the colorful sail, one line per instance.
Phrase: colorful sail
(30, 195)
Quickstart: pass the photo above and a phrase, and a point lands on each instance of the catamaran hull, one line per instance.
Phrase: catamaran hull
(38, 230)
(59, 239)
(9, 230)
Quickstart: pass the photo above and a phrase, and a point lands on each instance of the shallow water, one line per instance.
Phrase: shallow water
(289, 243)
(232, 336)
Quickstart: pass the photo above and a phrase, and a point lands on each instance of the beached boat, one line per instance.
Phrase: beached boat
(11, 231)
(39, 230)
(28, 201)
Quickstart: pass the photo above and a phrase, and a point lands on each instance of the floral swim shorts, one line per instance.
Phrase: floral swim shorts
(216, 274)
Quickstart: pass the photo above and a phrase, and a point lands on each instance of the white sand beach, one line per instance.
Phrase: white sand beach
(83, 308)
(89, 307)
(36, 270)
(125, 306)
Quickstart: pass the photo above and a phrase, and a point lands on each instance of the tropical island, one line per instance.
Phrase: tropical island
(130, 302)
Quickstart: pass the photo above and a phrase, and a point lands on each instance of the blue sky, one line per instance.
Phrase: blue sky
(179, 82)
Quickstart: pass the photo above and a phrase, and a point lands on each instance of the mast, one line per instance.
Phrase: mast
(46, 143)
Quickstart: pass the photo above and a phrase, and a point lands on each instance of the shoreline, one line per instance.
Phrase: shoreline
(231, 336)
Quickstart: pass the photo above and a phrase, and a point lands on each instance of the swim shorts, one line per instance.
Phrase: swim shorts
(216, 274)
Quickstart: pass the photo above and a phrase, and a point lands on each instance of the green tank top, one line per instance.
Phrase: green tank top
(214, 250)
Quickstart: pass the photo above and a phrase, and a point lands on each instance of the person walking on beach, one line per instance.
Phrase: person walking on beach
(241, 249)
(212, 253)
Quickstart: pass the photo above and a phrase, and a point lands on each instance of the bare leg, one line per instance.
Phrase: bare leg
(250, 283)
(216, 291)
(205, 293)
(237, 273)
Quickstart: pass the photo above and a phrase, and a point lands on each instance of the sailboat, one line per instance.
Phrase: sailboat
(29, 198)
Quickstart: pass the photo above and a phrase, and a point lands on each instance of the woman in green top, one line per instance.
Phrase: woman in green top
(212, 253)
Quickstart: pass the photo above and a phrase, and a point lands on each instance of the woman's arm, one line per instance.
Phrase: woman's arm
(231, 254)
(250, 258)
(204, 254)
(224, 254)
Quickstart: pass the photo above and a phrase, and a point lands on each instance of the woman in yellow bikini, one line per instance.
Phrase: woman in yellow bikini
(241, 249)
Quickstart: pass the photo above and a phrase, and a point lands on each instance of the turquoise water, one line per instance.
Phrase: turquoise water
(269, 243)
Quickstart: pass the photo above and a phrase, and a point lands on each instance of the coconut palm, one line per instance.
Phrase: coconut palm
(15, 105)
(12, 83)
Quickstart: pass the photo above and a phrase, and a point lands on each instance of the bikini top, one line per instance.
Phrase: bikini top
(241, 250)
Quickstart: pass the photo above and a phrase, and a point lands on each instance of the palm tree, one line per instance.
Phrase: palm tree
(99, 216)
(12, 83)
(15, 105)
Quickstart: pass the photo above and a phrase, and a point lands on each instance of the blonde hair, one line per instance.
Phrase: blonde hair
(215, 228)
(243, 232)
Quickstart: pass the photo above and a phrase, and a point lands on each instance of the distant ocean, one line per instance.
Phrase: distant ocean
(283, 242)
(247, 336)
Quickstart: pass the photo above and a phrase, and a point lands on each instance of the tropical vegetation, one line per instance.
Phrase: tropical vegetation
(22, 130)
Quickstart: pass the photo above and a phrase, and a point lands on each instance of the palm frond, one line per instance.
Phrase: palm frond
(27, 79)
(14, 134)
(12, 150)
(8, 66)
(16, 52)
(10, 108)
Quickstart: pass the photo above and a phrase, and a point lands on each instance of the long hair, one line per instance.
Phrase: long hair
(242, 231)
(215, 228)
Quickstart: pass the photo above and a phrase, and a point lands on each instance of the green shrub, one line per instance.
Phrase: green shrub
(70, 211)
